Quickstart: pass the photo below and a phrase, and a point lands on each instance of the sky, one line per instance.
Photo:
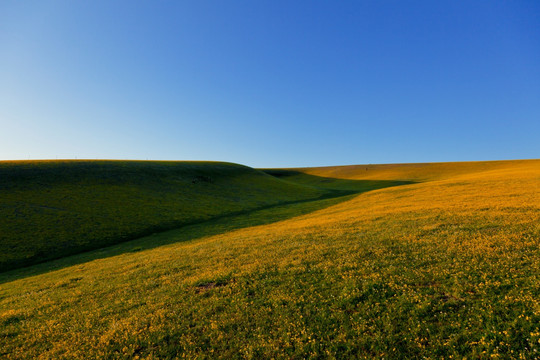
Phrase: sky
(270, 83)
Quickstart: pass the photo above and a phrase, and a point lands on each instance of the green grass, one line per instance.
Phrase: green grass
(336, 185)
(442, 269)
(50, 209)
(186, 233)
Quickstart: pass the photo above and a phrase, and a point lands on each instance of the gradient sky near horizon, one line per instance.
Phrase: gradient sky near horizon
(270, 83)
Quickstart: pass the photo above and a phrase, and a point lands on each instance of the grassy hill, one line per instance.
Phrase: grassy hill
(444, 266)
(50, 209)
(417, 172)
(304, 177)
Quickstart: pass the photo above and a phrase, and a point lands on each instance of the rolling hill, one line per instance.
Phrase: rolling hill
(51, 209)
(444, 265)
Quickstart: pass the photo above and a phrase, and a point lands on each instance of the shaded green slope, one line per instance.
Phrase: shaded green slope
(50, 209)
(331, 184)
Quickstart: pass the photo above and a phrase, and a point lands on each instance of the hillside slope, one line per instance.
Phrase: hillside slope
(416, 172)
(50, 209)
(442, 269)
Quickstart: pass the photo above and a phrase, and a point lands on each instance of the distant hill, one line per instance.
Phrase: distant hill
(417, 172)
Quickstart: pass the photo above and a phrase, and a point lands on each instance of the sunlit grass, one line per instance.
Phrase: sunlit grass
(442, 269)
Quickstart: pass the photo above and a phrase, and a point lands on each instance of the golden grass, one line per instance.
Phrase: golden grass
(415, 171)
(442, 269)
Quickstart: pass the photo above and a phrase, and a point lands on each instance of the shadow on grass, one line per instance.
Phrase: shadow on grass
(338, 190)
(333, 184)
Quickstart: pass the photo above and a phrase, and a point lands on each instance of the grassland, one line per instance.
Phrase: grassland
(446, 265)
(50, 209)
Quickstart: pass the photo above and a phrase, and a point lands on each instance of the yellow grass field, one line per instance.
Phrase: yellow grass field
(447, 267)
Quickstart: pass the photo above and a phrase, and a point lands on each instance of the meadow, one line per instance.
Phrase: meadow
(425, 261)
(50, 209)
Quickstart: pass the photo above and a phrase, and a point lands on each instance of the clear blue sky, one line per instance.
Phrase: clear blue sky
(270, 83)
